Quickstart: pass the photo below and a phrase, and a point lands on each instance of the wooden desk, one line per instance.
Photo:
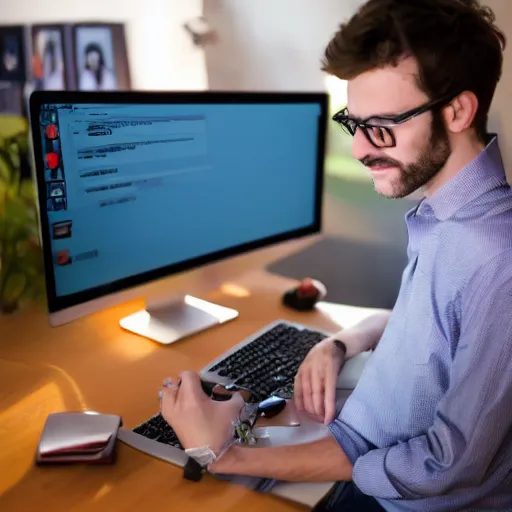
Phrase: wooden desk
(92, 364)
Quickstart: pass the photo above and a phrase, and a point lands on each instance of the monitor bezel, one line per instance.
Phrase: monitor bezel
(57, 304)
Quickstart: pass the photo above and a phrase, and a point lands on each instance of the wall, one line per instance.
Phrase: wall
(161, 53)
(269, 45)
(500, 117)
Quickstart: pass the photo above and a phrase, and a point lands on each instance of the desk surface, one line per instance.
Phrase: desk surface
(92, 364)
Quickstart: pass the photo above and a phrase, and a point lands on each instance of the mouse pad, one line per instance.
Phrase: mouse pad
(355, 273)
(288, 417)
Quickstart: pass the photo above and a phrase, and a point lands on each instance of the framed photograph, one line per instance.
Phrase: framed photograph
(100, 57)
(12, 54)
(11, 98)
(48, 63)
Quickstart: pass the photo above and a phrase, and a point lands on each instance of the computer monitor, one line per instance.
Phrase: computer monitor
(137, 186)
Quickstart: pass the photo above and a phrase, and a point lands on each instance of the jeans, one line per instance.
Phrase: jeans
(346, 497)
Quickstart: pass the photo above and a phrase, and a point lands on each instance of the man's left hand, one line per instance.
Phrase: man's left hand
(197, 420)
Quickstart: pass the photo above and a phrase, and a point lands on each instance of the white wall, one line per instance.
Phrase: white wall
(500, 117)
(271, 44)
(161, 53)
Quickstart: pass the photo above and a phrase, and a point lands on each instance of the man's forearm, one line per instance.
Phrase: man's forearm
(365, 334)
(320, 461)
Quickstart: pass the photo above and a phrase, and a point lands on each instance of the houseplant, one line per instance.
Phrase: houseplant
(21, 265)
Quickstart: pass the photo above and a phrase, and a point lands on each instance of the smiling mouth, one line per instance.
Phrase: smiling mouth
(379, 164)
(381, 167)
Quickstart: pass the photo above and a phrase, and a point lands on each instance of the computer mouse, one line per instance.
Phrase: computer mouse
(271, 407)
(208, 387)
(306, 295)
(221, 393)
(215, 391)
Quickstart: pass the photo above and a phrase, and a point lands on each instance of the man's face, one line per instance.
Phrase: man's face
(422, 145)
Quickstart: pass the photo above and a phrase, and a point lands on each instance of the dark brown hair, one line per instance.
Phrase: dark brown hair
(455, 42)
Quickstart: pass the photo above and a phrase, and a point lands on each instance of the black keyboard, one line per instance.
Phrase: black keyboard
(265, 365)
(158, 429)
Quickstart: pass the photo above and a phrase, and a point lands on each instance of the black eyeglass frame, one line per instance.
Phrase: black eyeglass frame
(351, 124)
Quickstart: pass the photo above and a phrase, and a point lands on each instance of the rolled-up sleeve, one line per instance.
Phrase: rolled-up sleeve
(468, 443)
(352, 444)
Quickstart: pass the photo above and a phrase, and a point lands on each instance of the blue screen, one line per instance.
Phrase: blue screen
(134, 188)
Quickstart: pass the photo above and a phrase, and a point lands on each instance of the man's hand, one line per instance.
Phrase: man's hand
(197, 420)
(315, 382)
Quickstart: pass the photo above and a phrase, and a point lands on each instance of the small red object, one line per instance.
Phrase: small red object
(51, 131)
(63, 257)
(52, 160)
(305, 295)
(307, 288)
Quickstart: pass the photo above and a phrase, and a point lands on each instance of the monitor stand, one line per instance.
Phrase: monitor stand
(177, 319)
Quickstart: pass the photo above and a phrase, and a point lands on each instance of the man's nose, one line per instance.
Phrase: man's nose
(361, 145)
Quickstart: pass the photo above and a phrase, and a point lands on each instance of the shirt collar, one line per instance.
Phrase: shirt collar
(482, 174)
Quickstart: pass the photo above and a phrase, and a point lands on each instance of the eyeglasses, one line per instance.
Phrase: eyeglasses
(377, 129)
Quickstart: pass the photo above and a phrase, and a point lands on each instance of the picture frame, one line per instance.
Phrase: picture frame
(49, 63)
(12, 99)
(13, 55)
(100, 56)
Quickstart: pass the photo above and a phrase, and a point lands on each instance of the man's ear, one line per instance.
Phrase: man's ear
(461, 111)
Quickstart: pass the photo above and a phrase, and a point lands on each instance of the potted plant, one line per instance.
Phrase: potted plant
(21, 262)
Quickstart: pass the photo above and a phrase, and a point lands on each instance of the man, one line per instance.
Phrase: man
(429, 425)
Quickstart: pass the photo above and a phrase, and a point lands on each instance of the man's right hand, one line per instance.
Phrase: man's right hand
(315, 382)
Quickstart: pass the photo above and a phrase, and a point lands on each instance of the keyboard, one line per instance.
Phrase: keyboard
(265, 363)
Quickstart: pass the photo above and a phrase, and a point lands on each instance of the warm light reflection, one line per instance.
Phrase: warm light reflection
(102, 492)
(135, 348)
(79, 397)
(344, 316)
(20, 428)
(235, 290)
(221, 313)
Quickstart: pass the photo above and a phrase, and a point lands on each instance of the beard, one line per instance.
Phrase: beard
(431, 160)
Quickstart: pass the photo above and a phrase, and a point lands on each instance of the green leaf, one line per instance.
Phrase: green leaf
(37, 287)
(14, 155)
(6, 168)
(11, 126)
(28, 191)
(3, 200)
(13, 288)
(21, 261)
(22, 141)
(15, 209)
(33, 259)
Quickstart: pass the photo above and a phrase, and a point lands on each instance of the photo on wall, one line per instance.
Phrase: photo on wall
(12, 54)
(11, 98)
(48, 63)
(100, 57)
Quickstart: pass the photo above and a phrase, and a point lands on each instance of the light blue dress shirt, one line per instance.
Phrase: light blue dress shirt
(429, 425)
